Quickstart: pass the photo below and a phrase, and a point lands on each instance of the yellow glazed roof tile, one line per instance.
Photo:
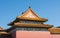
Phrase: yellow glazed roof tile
(33, 25)
(54, 30)
(30, 15)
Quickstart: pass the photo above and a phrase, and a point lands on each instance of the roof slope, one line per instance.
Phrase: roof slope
(30, 15)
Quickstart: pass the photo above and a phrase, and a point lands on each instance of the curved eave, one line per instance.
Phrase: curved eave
(3, 33)
(33, 25)
(54, 30)
(11, 23)
(30, 19)
(33, 19)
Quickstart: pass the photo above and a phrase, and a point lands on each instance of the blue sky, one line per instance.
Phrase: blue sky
(49, 9)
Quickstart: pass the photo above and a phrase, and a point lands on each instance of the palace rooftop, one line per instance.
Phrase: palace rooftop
(30, 18)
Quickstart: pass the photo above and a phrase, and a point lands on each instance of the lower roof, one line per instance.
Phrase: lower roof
(33, 25)
(54, 30)
(36, 19)
(3, 32)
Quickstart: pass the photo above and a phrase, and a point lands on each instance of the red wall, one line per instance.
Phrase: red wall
(30, 34)
(55, 36)
(33, 34)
